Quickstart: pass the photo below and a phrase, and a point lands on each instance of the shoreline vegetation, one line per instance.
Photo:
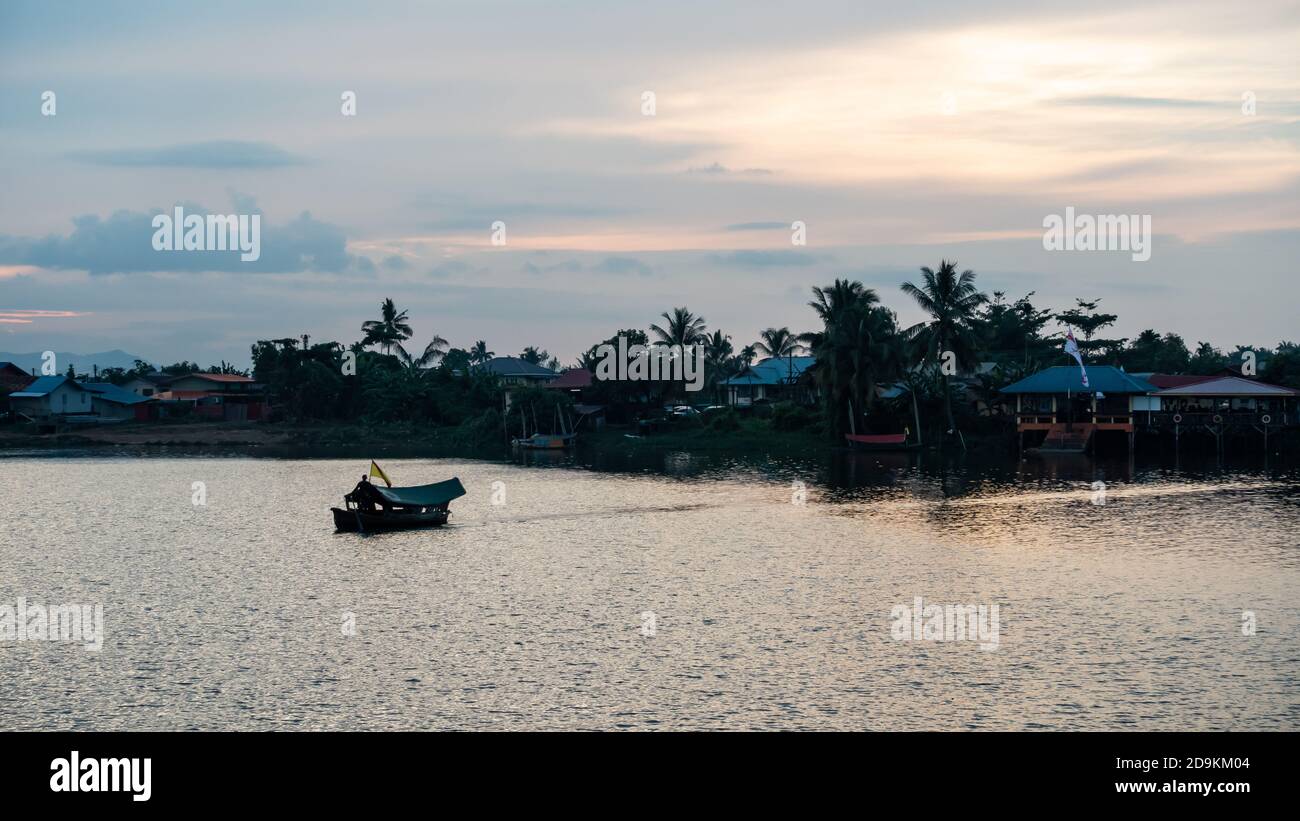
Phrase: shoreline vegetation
(867, 375)
(403, 440)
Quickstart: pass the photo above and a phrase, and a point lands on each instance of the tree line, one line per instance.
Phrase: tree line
(857, 345)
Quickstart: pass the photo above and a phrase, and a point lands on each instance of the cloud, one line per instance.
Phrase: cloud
(395, 262)
(623, 265)
(449, 268)
(214, 154)
(570, 267)
(458, 213)
(768, 259)
(608, 265)
(719, 169)
(123, 243)
(26, 317)
(755, 226)
(1118, 101)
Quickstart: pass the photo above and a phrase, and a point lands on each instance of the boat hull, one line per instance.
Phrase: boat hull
(879, 443)
(545, 442)
(355, 521)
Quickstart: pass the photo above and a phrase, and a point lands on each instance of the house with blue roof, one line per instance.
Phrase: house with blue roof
(1055, 401)
(108, 401)
(771, 380)
(49, 397)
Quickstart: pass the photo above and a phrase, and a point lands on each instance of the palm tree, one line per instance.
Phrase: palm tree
(778, 342)
(717, 352)
(951, 300)
(684, 328)
(434, 351)
(479, 353)
(391, 330)
(717, 347)
(534, 355)
(854, 328)
(747, 356)
(834, 300)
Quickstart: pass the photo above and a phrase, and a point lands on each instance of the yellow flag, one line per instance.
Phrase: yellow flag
(375, 470)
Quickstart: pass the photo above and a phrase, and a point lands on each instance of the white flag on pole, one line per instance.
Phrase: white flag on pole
(1072, 348)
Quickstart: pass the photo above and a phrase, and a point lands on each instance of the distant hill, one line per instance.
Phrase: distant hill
(81, 361)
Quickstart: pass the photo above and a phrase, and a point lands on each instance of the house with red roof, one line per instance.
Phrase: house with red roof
(218, 396)
(13, 378)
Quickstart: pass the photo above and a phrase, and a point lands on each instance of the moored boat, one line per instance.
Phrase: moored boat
(370, 507)
(881, 441)
(546, 441)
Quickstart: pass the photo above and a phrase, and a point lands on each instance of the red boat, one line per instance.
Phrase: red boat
(881, 441)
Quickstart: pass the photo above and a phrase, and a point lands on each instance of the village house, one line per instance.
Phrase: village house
(576, 382)
(512, 370)
(770, 380)
(1225, 399)
(13, 378)
(113, 403)
(218, 396)
(148, 384)
(1055, 402)
(515, 372)
(52, 397)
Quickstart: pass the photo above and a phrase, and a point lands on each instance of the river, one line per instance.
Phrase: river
(656, 591)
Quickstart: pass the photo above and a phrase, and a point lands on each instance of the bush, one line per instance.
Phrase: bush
(787, 416)
(484, 429)
(726, 421)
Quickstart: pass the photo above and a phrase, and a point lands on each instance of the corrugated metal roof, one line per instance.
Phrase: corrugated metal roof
(773, 371)
(43, 386)
(215, 377)
(513, 366)
(1066, 378)
(112, 393)
(1228, 386)
(1172, 380)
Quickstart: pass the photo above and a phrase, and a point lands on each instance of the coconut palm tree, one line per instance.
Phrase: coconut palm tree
(778, 342)
(684, 328)
(392, 329)
(479, 353)
(747, 356)
(951, 300)
(717, 356)
(533, 355)
(434, 351)
(852, 323)
(834, 300)
(717, 347)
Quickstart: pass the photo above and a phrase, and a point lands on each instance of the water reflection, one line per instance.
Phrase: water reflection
(770, 614)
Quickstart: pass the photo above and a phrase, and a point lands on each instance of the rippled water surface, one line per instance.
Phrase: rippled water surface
(767, 613)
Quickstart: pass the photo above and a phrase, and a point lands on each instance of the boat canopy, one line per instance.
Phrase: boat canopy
(439, 493)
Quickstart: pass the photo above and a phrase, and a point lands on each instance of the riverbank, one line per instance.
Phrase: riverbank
(750, 436)
(255, 438)
(392, 440)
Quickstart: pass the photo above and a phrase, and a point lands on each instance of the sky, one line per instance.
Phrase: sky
(898, 137)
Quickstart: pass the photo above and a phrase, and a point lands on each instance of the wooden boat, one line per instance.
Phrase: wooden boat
(370, 507)
(546, 441)
(882, 441)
